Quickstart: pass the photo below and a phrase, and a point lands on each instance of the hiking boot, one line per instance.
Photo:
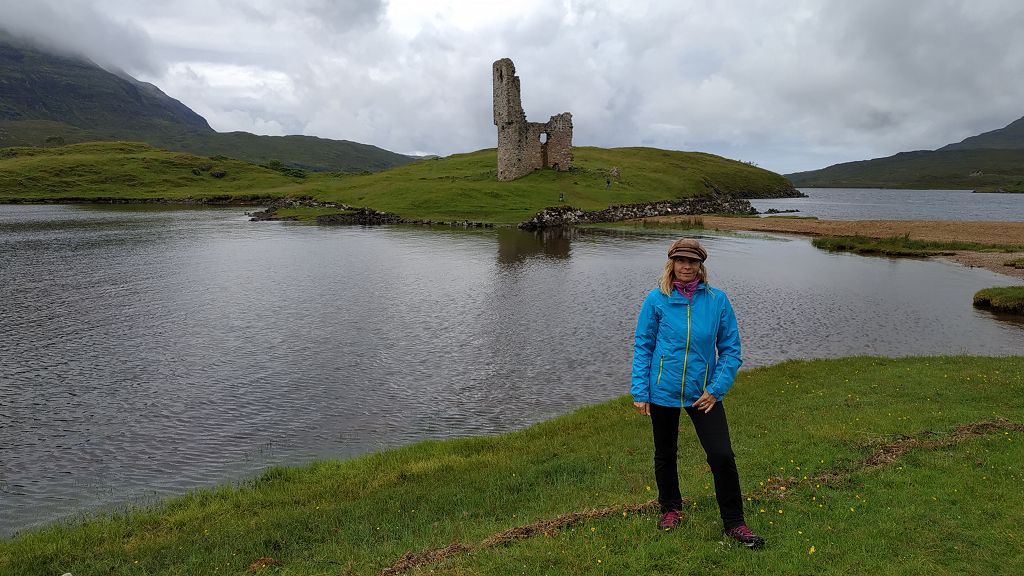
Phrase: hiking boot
(744, 536)
(670, 520)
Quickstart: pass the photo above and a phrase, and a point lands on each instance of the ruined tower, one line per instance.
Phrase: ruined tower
(526, 146)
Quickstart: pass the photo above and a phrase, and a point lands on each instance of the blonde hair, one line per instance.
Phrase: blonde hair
(668, 275)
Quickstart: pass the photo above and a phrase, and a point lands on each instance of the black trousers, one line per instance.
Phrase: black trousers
(713, 433)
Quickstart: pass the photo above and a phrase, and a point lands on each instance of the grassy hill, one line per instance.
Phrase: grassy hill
(130, 171)
(459, 187)
(987, 162)
(956, 169)
(849, 466)
(49, 98)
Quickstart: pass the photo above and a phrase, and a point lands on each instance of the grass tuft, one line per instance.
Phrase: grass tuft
(1009, 299)
(901, 246)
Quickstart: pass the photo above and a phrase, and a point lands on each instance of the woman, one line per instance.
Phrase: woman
(685, 357)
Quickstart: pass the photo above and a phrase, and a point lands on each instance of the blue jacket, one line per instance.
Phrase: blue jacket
(682, 348)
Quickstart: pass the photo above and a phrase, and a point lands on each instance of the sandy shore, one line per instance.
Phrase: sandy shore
(1006, 233)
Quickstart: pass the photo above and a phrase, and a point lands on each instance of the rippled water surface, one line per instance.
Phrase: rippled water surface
(147, 352)
(878, 204)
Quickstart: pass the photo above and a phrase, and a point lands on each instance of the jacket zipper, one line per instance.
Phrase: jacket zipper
(661, 364)
(686, 356)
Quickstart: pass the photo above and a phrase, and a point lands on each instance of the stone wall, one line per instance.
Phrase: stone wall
(526, 146)
(569, 216)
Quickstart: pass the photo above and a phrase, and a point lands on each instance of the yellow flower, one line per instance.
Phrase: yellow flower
(811, 551)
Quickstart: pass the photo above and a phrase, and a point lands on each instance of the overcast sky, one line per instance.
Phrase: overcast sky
(788, 84)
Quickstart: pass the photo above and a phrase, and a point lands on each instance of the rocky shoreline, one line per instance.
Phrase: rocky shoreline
(557, 216)
(351, 215)
(569, 216)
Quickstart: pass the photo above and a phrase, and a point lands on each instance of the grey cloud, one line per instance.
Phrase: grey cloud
(77, 28)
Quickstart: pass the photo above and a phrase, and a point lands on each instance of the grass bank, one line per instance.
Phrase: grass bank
(129, 171)
(858, 465)
(1009, 299)
(902, 246)
(458, 187)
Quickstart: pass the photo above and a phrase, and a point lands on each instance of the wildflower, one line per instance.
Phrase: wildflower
(811, 551)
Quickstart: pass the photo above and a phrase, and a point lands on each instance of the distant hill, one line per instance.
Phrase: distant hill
(48, 99)
(1010, 137)
(993, 161)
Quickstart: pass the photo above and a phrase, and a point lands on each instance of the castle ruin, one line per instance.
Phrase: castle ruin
(526, 146)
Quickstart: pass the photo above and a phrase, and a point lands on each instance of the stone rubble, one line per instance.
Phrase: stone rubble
(568, 216)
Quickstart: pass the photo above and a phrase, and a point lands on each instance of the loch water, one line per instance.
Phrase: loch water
(145, 352)
(882, 204)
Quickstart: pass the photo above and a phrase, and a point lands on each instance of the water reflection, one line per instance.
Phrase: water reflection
(515, 246)
(201, 348)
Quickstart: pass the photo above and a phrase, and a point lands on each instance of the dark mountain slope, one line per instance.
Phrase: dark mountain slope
(38, 86)
(47, 98)
(993, 161)
(1010, 137)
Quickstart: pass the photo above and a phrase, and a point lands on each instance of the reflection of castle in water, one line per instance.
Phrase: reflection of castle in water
(515, 246)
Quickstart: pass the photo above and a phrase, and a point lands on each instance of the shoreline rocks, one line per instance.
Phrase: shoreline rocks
(568, 216)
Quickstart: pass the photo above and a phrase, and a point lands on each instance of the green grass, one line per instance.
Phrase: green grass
(1008, 299)
(459, 187)
(950, 508)
(682, 223)
(132, 171)
(901, 246)
(464, 186)
(1017, 263)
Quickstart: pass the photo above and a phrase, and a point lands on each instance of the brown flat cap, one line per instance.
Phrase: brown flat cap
(688, 248)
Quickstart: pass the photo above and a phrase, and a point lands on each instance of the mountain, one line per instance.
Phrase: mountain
(992, 161)
(48, 98)
(1010, 137)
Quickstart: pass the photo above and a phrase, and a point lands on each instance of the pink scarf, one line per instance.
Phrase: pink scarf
(686, 289)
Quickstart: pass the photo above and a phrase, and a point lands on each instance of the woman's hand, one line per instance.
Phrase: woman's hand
(643, 408)
(705, 403)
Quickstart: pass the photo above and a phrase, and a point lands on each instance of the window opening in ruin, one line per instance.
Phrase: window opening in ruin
(543, 137)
